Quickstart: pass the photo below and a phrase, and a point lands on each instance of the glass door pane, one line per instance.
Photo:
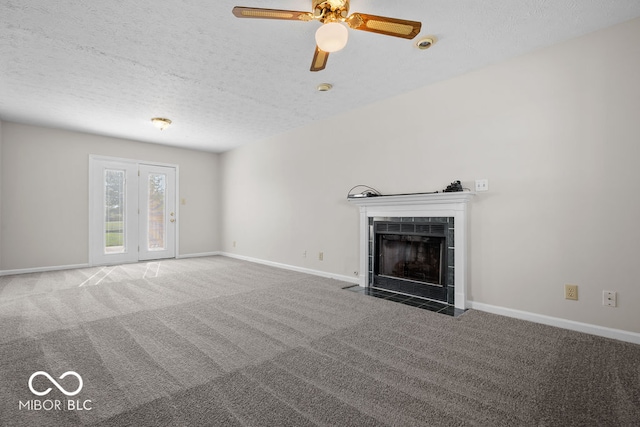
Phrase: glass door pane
(158, 215)
(114, 211)
(156, 219)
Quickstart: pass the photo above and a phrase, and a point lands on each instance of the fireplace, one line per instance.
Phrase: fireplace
(432, 225)
(410, 256)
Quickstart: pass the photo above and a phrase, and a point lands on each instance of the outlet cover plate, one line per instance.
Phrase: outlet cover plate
(609, 299)
(571, 292)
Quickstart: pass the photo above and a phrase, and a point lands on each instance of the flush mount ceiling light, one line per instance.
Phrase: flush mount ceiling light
(426, 42)
(161, 123)
(324, 87)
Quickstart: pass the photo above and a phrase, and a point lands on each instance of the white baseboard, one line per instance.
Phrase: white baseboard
(618, 334)
(71, 267)
(342, 278)
(42, 269)
(204, 254)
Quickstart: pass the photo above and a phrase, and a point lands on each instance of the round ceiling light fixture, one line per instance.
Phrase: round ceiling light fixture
(332, 36)
(160, 122)
(426, 42)
(324, 87)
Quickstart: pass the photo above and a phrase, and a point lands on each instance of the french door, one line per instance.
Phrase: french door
(132, 211)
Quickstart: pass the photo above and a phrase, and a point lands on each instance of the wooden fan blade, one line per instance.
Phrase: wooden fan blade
(319, 60)
(383, 25)
(255, 12)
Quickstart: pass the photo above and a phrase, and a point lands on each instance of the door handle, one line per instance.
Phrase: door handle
(172, 220)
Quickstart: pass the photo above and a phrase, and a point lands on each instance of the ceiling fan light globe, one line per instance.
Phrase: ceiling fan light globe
(332, 36)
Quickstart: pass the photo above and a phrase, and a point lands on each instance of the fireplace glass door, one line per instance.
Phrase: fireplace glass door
(415, 258)
(411, 259)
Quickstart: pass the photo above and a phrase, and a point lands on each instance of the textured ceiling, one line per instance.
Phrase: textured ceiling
(108, 67)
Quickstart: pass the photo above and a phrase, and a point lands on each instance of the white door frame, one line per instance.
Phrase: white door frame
(95, 205)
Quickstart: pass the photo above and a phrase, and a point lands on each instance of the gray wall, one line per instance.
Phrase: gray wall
(44, 213)
(556, 133)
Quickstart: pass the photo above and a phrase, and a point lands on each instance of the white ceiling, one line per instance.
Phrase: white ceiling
(108, 67)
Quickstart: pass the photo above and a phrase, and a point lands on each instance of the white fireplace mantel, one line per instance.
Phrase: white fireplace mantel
(452, 205)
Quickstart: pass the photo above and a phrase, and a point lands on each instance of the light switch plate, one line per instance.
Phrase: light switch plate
(482, 185)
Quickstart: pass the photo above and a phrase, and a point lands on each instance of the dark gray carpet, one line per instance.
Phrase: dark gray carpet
(217, 341)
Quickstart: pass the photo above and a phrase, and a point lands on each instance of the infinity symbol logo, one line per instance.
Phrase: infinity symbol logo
(55, 383)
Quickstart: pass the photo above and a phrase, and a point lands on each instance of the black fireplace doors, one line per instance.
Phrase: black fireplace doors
(411, 258)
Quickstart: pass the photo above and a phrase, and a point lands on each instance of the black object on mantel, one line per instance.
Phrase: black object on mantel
(453, 187)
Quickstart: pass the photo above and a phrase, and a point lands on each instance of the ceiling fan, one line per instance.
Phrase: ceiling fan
(332, 35)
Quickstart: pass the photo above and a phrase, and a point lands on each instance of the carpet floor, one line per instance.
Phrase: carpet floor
(223, 342)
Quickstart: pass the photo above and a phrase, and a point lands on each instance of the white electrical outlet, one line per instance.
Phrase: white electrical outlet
(609, 299)
(482, 185)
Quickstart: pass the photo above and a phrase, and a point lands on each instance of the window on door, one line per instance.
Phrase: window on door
(156, 203)
(114, 211)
